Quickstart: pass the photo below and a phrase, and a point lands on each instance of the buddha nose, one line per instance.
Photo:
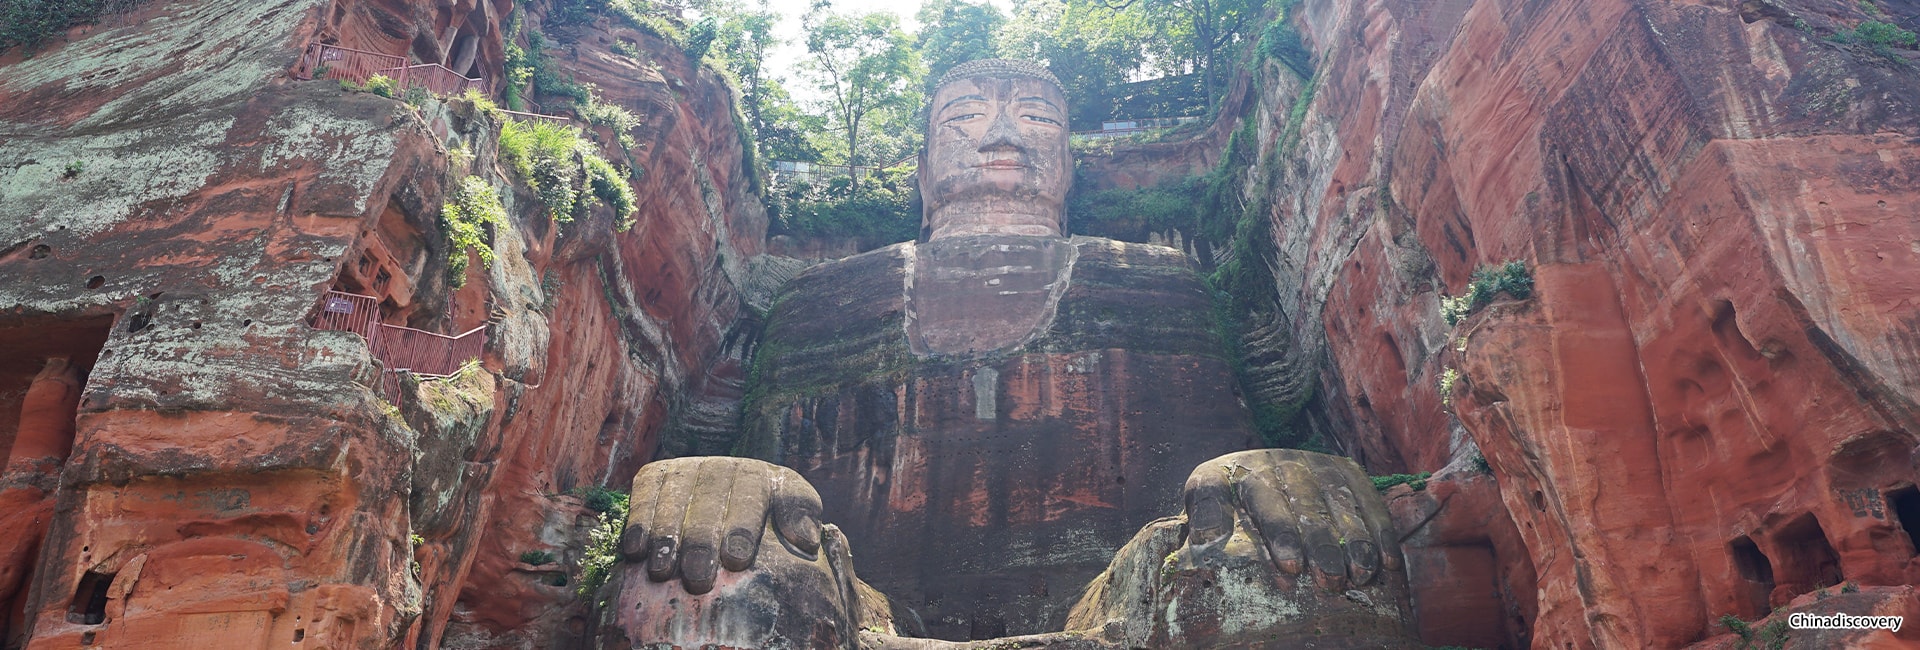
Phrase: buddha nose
(1002, 134)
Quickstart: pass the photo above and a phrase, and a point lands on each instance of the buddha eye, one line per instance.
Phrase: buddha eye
(962, 118)
(1042, 120)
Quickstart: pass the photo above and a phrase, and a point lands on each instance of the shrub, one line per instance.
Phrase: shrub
(1280, 42)
(542, 154)
(598, 113)
(472, 205)
(536, 558)
(558, 162)
(379, 84)
(1880, 37)
(1737, 626)
(700, 39)
(609, 186)
(880, 212)
(602, 500)
(565, 13)
(1417, 481)
(73, 169)
(1511, 278)
(538, 67)
(1133, 214)
(603, 541)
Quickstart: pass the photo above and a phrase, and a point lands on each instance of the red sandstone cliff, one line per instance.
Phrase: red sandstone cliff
(235, 475)
(1708, 406)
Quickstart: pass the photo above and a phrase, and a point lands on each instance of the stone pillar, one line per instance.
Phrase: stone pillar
(47, 413)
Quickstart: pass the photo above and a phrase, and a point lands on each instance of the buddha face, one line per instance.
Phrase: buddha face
(996, 158)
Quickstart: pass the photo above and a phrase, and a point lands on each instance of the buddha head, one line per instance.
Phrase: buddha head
(996, 160)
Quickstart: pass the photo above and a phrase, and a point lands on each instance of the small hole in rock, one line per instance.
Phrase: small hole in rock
(96, 282)
(39, 252)
(195, 325)
(299, 635)
(246, 323)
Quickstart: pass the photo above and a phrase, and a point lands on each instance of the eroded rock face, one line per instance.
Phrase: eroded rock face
(1709, 405)
(984, 490)
(235, 476)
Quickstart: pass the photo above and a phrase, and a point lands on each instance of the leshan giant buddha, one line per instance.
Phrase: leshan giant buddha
(990, 415)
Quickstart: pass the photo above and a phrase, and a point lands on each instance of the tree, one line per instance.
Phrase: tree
(953, 32)
(742, 37)
(1091, 47)
(1205, 27)
(864, 64)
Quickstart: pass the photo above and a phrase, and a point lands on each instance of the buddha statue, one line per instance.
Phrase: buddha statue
(988, 416)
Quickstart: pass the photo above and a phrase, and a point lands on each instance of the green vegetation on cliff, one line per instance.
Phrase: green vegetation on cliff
(31, 23)
(471, 207)
(1511, 278)
(564, 168)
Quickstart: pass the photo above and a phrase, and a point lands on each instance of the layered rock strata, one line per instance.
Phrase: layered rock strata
(984, 489)
(237, 476)
(1707, 407)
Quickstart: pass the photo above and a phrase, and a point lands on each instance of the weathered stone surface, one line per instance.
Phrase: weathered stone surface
(1717, 362)
(233, 477)
(730, 552)
(984, 491)
(1277, 549)
(1473, 583)
(644, 323)
(1869, 601)
(996, 159)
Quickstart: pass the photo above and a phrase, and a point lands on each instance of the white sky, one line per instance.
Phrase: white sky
(784, 61)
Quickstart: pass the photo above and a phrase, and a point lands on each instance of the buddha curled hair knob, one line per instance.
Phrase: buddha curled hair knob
(999, 68)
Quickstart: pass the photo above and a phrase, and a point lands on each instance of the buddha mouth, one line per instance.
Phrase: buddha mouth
(1002, 164)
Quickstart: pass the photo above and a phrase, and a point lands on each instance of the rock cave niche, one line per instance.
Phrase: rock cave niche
(467, 36)
(25, 352)
(89, 606)
(1904, 505)
(384, 264)
(43, 366)
(1756, 572)
(1807, 559)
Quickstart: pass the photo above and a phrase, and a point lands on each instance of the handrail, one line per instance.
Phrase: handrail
(350, 312)
(399, 349)
(426, 353)
(537, 116)
(345, 63)
(359, 66)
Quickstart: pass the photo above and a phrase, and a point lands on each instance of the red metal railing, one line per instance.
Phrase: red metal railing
(437, 79)
(335, 62)
(358, 66)
(426, 353)
(400, 349)
(350, 312)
